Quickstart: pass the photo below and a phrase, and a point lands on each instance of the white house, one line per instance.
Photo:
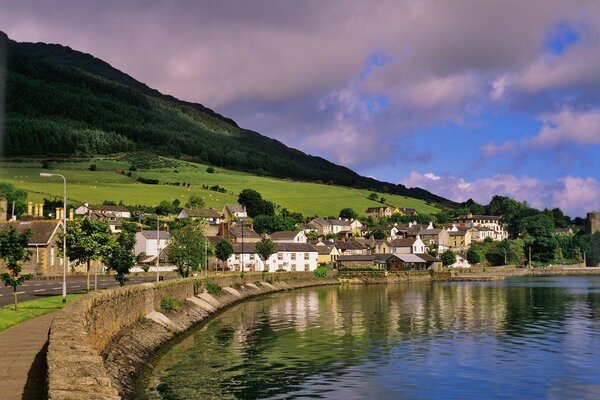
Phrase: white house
(488, 221)
(289, 237)
(234, 211)
(117, 211)
(149, 242)
(461, 262)
(407, 246)
(289, 257)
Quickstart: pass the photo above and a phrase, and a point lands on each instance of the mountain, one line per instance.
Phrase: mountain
(61, 102)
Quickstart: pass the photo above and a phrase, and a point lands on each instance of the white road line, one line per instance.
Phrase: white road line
(40, 290)
(20, 293)
(38, 284)
(55, 288)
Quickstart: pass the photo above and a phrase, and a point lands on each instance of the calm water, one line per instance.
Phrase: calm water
(536, 338)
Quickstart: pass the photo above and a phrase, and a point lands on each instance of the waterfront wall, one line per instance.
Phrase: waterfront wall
(99, 343)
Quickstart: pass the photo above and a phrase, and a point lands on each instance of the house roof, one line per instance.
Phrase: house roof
(214, 239)
(153, 235)
(305, 247)
(248, 233)
(332, 222)
(349, 245)
(406, 210)
(376, 209)
(41, 231)
(430, 231)
(457, 233)
(410, 258)
(428, 258)
(324, 250)
(406, 242)
(202, 212)
(283, 235)
(477, 216)
(106, 208)
(235, 208)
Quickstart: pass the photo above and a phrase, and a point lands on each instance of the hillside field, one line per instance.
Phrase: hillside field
(106, 183)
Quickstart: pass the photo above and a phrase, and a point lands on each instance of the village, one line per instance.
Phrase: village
(335, 243)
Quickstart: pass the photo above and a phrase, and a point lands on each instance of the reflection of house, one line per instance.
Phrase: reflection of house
(289, 257)
(289, 237)
(46, 257)
(149, 242)
(407, 246)
(232, 212)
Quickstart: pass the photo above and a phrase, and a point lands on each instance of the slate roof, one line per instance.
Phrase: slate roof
(41, 231)
(477, 216)
(248, 233)
(235, 208)
(457, 233)
(107, 208)
(406, 242)
(349, 245)
(408, 211)
(153, 235)
(284, 235)
(430, 231)
(428, 258)
(202, 212)
(324, 250)
(410, 258)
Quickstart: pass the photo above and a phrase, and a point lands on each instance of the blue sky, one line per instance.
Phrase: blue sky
(466, 99)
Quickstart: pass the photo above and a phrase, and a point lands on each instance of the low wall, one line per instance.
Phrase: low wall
(98, 344)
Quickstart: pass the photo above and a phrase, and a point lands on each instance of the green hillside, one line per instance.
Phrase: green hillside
(106, 183)
(60, 102)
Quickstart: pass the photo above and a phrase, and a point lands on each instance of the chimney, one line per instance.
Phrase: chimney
(430, 226)
(36, 209)
(3, 209)
(29, 208)
(41, 210)
(71, 211)
(57, 214)
(410, 224)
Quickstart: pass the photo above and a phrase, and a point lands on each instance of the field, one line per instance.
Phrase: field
(106, 183)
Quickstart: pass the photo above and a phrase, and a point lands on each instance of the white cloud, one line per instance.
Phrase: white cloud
(574, 195)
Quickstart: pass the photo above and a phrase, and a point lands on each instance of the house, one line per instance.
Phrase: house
(568, 231)
(237, 234)
(433, 263)
(476, 221)
(289, 237)
(437, 237)
(210, 215)
(233, 212)
(481, 233)
(151, 242)
(327, 254)
(350, 247)
(358, 261)
(46, 257)
(459, 239)
(375, 246)
(407, 246)
(289, 257)
(113, 221)
(461, 262)
(306, 228)
(117, 211)
(405, 211)
(407, 262)
(335, 226)
(378, 212)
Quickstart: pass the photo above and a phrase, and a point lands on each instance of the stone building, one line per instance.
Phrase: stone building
(593, 222)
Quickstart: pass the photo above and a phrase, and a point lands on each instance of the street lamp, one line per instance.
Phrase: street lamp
(65, 259)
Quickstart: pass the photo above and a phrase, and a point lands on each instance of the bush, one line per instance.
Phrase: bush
(93, 167)
(213, 288)
(321, 272)
(210, 170)
(170, 303)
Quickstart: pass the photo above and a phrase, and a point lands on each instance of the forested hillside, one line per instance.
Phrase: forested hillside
(60, 102)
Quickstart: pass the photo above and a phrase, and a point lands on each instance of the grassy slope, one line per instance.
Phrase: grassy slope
(31, 309)
(104, 184)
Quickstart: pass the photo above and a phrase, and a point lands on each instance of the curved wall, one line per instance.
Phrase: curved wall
(98, 344)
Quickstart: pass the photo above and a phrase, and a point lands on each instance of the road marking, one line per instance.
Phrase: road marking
(55, 288)
(38, 284)
(40, 290)
(20, 293)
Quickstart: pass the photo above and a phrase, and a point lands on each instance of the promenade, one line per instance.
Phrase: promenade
(23, 359)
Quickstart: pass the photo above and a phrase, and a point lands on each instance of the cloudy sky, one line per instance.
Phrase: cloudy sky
(464, 98)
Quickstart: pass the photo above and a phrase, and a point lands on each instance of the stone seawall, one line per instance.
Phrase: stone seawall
(98, 344)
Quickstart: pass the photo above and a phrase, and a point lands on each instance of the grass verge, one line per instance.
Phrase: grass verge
(31, 309)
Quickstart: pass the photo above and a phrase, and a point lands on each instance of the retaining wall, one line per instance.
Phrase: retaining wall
(99, 343)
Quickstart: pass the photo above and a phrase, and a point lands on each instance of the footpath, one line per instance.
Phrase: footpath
(23, 359)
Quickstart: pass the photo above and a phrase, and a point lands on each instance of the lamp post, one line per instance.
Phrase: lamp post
(65, 259)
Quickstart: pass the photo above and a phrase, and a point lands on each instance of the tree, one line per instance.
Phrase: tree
(223, 250)
(379, 234)
(473, 257)
(273, 223)
(255, 204)
(13, 194)
(373, 196)
(13, 250)
(592, 249)
(538, 232)
(448, 258)
(187, 249)
(348, 213)
(195, 201)
(265, 248)
(121, 257)
(88, 240)
(432, 250)
(210, 170)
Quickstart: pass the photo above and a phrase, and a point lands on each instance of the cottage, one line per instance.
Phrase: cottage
(117, 211)
(459, 239)
(289, 237)
(378, 212)
(407, 262)
(209, 215)
(289, 257)
(405, 211)
(335, 226)
(46, 257)
(350, 247)
(358, 261)
(151, 242)
(407, 246)
(233, 212)
(237, 234)
(327, 254)
(434, 237)
(375, 246)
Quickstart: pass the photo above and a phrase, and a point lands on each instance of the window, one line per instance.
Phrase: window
(293, 256)
(306, 257)
(280, 256)
(52, 256)
(306, 267)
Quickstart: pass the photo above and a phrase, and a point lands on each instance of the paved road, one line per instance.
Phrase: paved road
(36, 289)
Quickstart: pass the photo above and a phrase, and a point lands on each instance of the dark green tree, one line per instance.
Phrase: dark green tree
(538, 232)
(348, 213)
(187, 249)
(473, 257)
(121, 258)
(195, 201)
(255, 204)
(265, 248)
(448, 258)
(223, 250)
(13, 250)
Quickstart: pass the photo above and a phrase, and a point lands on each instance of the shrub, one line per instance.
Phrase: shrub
(93, 167)
(213, 288)
(321, 272)
(170, 303)
(210, 170)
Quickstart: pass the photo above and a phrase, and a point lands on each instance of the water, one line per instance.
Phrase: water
(535, 338)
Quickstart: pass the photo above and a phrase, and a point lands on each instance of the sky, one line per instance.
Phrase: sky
(466, 99)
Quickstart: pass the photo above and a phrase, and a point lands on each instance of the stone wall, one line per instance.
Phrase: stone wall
(99, 343)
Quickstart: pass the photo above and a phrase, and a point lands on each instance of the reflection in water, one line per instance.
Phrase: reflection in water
(516, 339)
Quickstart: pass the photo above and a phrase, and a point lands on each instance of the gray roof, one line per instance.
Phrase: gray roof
(237, 232)
(332, 222)
(430, 231)
(324, 250)
(235, 208)
(477, 216)
(457, 233)
(152, 235)
(281, 235)
(406, 242)
(349, 245)
(410, 258)
(41, 231)
(202, 212)
(105, 208)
